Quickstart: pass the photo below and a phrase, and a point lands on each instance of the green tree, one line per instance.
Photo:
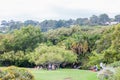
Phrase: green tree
(51, 55)
(94, 20)
(103, 18)
(6, 43)
(27, 38)
(58, 35)
(82, 21)
(109, 45)
(117, 18)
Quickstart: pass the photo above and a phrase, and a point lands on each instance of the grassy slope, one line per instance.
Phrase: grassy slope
(64, 74)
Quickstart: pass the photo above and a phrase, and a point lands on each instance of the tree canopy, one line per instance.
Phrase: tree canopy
(52, 54)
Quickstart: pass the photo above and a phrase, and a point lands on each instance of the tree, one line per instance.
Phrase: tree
(82, 21)
(94, 20)
(31, 22)
(55, 36)
(108, 47)
(69, 22)
(103, 18)
(52, 55)
(4, 22)
(48, 24)
(27, 38)
(12, 24)
(17, 59)
(60, 23)
(6, 43)
(117, 18)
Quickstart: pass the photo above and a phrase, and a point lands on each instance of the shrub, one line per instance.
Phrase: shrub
(106, 74)
(117, 74)
(14, 73)
(115, 64)
(109, 74)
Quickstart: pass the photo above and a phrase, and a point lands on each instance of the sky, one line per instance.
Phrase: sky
(40, 10)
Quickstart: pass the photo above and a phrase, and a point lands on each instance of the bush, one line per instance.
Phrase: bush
(115, 64)
(106, 74)
(18, 58)
(14, 73)
(117, 74)
(109, 74)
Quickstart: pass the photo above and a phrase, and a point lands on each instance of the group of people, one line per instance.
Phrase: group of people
(95, 68)
(38, 67)
(48, 67)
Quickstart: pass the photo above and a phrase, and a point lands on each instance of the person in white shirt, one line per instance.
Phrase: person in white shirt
(101, 65)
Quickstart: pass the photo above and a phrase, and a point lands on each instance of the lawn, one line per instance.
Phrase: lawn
(64, 74)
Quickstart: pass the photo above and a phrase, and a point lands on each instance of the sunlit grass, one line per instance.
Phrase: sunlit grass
(64, 74)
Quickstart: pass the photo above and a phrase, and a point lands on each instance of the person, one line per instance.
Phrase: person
(50, 67)
(101, 65)
(37, 67)
(95, 68)
(53, 67)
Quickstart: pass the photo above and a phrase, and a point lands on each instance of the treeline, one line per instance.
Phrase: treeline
(74, 47)
(46, 25)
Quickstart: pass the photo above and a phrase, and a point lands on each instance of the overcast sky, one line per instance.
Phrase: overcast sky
(56, 9)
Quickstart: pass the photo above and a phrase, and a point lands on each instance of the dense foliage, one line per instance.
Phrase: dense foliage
(25, 39)
(78, 47)
(14, 73)
(108, 47)
(115, 64)
(51, 55)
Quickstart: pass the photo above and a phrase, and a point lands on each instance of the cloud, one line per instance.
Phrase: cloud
(55, 9)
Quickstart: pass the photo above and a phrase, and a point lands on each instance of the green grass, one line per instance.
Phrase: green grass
(64, 74)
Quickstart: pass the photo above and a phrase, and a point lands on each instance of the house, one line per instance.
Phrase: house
(111, 23)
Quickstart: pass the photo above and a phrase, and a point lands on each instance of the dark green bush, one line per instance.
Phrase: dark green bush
(14, 73)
